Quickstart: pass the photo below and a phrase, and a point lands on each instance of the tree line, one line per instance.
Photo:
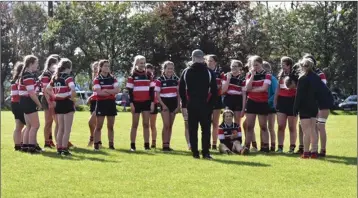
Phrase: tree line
(88, 31)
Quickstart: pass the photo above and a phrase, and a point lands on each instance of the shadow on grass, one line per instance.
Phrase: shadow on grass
(75, 157)
(341, 112)
(328, 158)
(239, 163)
(137, 152)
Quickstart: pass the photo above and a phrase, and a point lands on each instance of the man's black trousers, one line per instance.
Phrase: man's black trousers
(199, 113)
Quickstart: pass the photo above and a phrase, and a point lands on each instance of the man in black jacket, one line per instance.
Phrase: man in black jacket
(198, 91)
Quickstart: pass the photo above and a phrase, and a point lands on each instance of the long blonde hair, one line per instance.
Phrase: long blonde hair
(136, 59)
(306, 63)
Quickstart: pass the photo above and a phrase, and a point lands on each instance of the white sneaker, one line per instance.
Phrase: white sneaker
(253, 150)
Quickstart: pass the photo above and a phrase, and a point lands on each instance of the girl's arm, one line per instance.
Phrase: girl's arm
(263, 88)
(226, 83)
(248, 86)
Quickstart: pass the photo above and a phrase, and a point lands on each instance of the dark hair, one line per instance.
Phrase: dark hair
(256, 58)
(310, 56)
(52, 59)
(149, 66)
(293, 76)
(64, 63)
(101, 63)
(29, 59)
(236, 61)
(17, 70)
(246, 68)
(288, 61)
(213, 56)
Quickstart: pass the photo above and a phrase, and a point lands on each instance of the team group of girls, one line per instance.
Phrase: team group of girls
(53, 91)
(246, 91)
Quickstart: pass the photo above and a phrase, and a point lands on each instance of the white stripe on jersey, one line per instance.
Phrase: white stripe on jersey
(129, 85)
(168, 95)
(141, 88)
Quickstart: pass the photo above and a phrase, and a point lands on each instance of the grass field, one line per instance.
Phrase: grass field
(120, 173)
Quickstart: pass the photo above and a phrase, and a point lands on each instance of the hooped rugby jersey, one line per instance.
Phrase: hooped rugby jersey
(62, 86)
(225, 132)
(27, 84)
(236, 84)
(105, 82)
(259, 80)
(284, 90)
(15, 91)
(140, 85)
(167, 87)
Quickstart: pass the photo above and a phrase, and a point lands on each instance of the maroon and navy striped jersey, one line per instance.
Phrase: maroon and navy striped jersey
(105, 82)
(236, 84)
(225, 132)
(27, 84)
(45, 79)
(321, 75)
(219, 76)
(139, 84)
(62, 86)
(15, 91)
(284, 90)
(259, 80)
(168, 87)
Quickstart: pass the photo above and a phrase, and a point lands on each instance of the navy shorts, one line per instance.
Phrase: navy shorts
(64, 106)
(27, 105)
(17, 111)
(285, 105)
(106, 108)
(142, 106)
(171, 103)
(93, 104)
(233, 102)
(258, 108)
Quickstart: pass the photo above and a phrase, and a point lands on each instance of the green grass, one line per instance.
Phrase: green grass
(156, 174)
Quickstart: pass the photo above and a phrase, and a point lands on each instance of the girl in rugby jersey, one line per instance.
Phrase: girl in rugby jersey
(230, 135)
(284, 100)
(325, 103)
(233, 83)
(62, 96)
(106, 87)
(92, 100)
(45, 77)
(140, 85)
(30, 104)
(211, 61)
(153, 115)
(257, 83)
(15, 106)
(167, 89)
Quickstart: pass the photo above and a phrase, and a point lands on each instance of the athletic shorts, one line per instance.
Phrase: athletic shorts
(259, 108)
(142, 106)
(27, 105)
(285, 105)
(106, 108)
(156, 107)
(233, 102)
(64, 106)
(218, 104)
(171, 103)
(308, 114)
(272, 111)
(18, 112)
(44, 103)
(93, 104)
